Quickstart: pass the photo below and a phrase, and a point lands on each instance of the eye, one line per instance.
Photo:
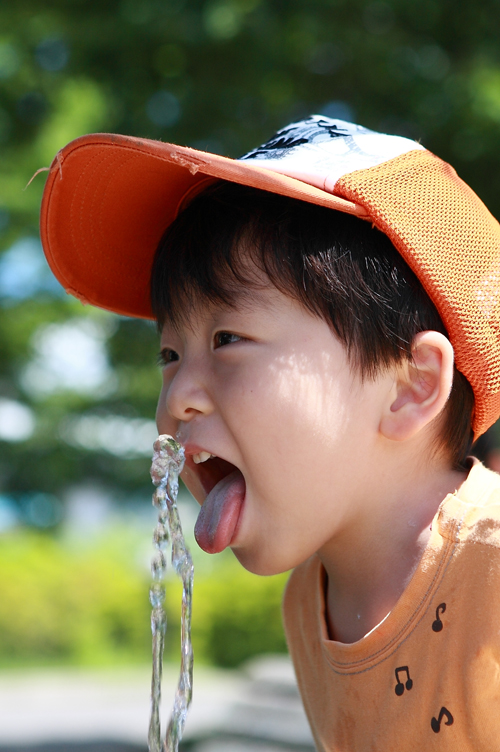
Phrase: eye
(225, 338)
(166, 356)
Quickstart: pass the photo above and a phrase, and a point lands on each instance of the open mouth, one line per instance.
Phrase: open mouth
(224, 490)
(209, 471)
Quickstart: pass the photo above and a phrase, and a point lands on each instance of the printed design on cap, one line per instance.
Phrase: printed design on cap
(320, 150)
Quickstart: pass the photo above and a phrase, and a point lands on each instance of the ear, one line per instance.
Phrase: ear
(421, 388)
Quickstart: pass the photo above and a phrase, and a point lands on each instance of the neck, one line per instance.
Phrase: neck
(370, 563)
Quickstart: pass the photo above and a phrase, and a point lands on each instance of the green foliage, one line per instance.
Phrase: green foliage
(58, 605)
(238, 69)
(89, 606)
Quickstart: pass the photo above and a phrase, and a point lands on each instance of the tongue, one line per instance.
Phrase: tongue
(218, 517)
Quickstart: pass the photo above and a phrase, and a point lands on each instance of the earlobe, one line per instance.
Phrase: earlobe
(422, 387)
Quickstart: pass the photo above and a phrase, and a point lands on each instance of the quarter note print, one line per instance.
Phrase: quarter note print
(436, 722)
(400, 687)
(437, 624)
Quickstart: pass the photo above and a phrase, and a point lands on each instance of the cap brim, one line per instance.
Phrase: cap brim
(108, 200)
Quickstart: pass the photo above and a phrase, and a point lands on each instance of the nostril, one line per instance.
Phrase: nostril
(184, 402)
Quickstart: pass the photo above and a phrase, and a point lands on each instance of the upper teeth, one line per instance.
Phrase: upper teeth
(202, 457)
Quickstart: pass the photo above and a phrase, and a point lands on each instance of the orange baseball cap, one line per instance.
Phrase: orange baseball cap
(109, 198)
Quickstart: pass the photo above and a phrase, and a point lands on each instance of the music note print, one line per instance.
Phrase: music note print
(437, 624)
(400, 687)
(436, 722)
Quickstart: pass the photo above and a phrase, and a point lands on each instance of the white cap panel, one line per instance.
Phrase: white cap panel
(320, 150)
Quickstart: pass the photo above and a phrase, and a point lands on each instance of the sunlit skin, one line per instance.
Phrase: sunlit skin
(332, 463)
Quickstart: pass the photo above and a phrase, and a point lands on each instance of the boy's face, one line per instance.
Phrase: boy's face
(267, 389)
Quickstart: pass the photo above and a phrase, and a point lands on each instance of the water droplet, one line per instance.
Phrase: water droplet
(158, 620)
(160, 536)
(158, 565)
(160, 498)
(157, 595)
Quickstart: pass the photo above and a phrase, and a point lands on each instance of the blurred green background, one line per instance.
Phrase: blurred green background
(78, 387)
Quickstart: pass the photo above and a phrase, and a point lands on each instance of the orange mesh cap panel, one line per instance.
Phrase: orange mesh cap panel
(452, 243)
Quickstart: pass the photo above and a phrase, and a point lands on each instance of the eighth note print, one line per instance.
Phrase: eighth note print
(436, 722)
(437, 625)
(400, 687)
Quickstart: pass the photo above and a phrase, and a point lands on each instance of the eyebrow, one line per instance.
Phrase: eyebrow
(244, 299)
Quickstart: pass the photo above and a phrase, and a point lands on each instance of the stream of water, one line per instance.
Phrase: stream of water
(167, 464)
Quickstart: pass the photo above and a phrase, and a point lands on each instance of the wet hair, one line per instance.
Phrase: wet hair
(337, 266)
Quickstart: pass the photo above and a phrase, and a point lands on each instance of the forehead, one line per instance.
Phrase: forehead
(260, 298)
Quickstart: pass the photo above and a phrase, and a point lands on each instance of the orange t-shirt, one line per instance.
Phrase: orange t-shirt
(428, 676)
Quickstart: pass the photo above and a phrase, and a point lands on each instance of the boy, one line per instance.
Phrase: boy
(326, 375)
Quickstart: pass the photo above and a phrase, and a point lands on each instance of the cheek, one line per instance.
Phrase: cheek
(295, 403)
(164, 422)
(295, 430)
(193, 485)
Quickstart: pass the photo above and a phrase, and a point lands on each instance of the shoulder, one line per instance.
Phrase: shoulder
(481, 487)
(478, 506)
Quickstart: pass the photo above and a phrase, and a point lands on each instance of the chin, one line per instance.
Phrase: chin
(259, 564)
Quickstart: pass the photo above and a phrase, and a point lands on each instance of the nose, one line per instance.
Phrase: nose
(184, 396)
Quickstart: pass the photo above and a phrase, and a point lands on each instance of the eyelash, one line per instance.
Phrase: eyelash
(221, 335)
(166, 356)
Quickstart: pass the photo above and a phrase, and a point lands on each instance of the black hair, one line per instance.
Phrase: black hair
(337, 266)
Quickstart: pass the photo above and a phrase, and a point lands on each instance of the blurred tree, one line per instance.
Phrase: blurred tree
(216, 74)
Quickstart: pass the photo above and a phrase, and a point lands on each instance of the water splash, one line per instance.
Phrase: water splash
(167, 464)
